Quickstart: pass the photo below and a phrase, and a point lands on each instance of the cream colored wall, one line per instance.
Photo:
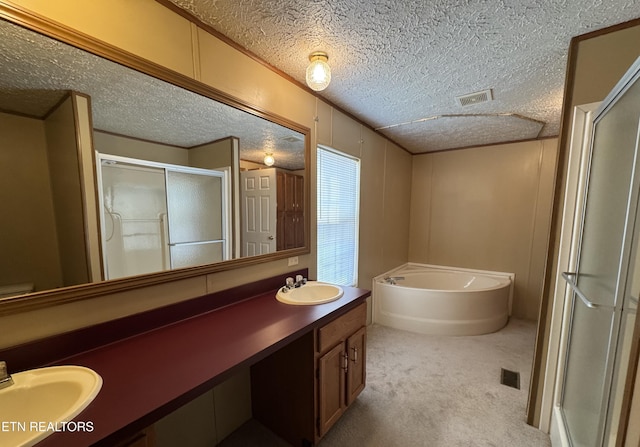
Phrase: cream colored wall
(64, 166)
(237, 74)
(207, 156)
(486, 208)
(600, 61)
(385, 191)
(27, 215)
(193, 425)
(218, 154)
(87, 163)
(122, 146)
(145, 28)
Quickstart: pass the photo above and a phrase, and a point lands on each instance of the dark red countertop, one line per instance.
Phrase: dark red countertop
(147, 376)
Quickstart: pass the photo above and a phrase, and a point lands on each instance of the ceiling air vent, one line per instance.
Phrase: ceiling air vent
(475, 98)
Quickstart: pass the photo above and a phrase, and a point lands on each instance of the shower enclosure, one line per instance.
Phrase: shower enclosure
(605, 280)
(158, 216)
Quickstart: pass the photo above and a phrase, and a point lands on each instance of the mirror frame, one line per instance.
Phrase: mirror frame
(37, 300)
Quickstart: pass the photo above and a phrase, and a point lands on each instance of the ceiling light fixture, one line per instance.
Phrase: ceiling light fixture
(318, 71)
(268, 159)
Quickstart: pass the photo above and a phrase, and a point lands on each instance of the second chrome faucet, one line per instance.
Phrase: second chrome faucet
(5, 377)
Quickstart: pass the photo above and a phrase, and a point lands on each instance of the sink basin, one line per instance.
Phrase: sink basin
(41, 400)
(313, 292)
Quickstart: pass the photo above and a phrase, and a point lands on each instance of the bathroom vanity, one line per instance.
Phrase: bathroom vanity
(333, 356)
(153, 363)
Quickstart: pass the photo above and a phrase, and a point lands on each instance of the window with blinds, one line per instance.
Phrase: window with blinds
(338, 210)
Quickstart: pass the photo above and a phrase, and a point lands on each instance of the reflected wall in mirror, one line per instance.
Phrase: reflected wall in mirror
(73, 123)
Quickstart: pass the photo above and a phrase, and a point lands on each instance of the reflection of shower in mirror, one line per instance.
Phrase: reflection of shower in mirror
(158, 216)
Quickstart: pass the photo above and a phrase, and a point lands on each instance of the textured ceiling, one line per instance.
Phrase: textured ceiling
(401, 61)
(36, 72)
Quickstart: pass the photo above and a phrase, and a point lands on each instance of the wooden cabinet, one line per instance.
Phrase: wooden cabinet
(357, 372)
(341, 365)
(290, 210)
(145, 438)
(331, 388)
(302, 389)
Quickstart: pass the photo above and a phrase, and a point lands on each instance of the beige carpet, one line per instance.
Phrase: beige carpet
(433, 391)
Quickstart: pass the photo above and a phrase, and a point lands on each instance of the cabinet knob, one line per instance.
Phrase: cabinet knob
(355, 354)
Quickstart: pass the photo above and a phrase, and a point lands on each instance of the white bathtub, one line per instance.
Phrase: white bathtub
(440, 300)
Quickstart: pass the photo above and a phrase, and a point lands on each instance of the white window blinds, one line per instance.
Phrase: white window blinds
(338, 210)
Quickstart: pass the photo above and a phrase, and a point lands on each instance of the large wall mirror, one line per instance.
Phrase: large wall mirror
(112, 178)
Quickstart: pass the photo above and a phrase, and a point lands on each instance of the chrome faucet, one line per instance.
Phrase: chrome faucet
(290, 283)
(300, 281)
(393, 279)
(5, 377)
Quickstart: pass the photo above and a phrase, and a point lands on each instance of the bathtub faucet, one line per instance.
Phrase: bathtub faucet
(392, 279)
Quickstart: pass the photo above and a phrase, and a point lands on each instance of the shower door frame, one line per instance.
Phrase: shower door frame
(225, 199)
(630, 232)
(582, 128)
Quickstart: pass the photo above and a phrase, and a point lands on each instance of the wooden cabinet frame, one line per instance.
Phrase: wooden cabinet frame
(290, 210)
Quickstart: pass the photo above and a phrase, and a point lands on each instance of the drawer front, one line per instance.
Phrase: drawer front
(341, 328)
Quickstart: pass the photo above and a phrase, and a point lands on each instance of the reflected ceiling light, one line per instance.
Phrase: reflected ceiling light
(318, 71)
(268, 159)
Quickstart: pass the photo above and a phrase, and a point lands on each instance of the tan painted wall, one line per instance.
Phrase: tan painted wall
(385, 191)
(142, 27)
(486, 208)
(218, 154)
(600, 62)
(87, 162)
(122, 146)
(194, 425)
(27, 228)
(64, 166)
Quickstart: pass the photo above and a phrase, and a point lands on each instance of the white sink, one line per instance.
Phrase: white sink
(41, 400)
(313, 292)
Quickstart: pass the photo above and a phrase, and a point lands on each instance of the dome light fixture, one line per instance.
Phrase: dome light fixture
(268, 159)
(318, 71)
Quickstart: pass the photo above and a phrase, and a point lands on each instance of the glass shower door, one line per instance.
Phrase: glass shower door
(197, 218)
(133, 206)
(599, 282)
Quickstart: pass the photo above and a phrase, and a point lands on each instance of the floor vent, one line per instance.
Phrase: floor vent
(475, 98)
(510, 378)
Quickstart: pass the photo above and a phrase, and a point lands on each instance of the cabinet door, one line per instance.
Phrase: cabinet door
(290, 192)
(357, 371)
(289, 230)
(145, 438)
(281, 191)
(299, 193)
(331, 388)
